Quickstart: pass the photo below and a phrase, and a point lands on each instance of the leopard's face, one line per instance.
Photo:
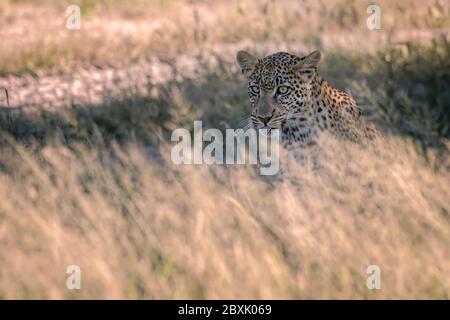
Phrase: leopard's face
(277, 87)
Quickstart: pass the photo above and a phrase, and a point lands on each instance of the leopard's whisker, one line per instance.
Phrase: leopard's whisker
(245, 122)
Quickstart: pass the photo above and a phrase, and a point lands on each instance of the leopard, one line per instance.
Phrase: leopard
(287, 92)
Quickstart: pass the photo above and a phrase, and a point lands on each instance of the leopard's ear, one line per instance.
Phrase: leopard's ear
(307, 67)
(247, 62)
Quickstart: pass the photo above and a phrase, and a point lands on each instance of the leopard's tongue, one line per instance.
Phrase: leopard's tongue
(265, 130)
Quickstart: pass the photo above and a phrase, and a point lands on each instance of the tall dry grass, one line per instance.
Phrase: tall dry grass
(141, 227)
(92, 184)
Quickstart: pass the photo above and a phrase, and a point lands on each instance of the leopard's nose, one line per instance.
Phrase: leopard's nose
(265, 119)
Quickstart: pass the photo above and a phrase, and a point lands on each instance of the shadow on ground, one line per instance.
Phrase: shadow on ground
(405, 90)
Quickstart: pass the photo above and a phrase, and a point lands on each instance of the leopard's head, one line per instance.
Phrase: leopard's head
(277, 85)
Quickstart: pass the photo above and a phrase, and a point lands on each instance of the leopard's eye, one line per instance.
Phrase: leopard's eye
(283, 89)
(254, 89)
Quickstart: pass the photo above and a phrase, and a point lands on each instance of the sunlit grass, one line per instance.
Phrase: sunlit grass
(93, 184)
(144, 228)
(167, 28)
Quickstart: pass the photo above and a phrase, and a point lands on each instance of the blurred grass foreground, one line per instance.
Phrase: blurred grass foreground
(86, 177)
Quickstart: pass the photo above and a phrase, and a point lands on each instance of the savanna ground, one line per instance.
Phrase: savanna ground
(86, 177)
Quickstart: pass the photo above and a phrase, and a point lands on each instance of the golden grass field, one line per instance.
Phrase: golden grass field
(86, 177)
